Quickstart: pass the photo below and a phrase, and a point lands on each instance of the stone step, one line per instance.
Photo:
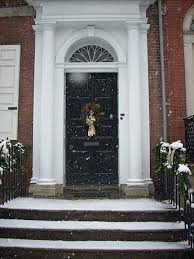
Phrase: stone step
(83, 230)
(90, 210)
(91, 215)
(92, 192)
(20, 248)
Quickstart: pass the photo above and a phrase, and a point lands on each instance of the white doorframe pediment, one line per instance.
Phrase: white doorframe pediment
(98, 33)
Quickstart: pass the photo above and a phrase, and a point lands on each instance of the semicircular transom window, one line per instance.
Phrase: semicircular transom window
(91, 53)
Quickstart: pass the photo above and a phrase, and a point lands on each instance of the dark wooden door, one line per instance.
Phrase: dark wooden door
(94, 160)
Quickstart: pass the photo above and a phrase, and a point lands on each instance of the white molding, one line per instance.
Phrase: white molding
(103, 29)
(82, 34)
(189, 38)
(188, 18)
(189, 76)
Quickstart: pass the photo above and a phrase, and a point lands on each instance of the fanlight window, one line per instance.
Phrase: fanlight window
(91, 53)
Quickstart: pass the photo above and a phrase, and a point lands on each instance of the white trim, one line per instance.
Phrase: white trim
(100, 26)
(77, 36)
(91, 67)
(188, 19)
(189, 62)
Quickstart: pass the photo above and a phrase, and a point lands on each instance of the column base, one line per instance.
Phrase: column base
(138, 190)
(51, 190)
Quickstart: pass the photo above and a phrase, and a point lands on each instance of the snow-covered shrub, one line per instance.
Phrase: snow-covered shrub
(5, 145)
(12, 155)
(182, 173)
(171, 158)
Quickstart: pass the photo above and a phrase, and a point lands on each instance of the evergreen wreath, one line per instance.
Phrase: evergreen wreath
(97, 110)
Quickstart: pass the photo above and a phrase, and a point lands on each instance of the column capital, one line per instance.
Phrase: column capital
(132, 25)
(144, 27)
(37, 28)
(44, 26)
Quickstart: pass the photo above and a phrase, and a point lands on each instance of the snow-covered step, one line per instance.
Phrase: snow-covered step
(92, 230)
(88, 204)
(92, 249)
(89, 210)
(90, 225)
(94, 245)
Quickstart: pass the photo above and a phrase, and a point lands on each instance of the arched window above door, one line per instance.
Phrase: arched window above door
(93, 50)
(91, 53)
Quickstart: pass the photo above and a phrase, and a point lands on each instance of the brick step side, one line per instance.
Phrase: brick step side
(81, 235)
(79, 215)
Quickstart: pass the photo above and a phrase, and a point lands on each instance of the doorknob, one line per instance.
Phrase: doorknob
(121, 116)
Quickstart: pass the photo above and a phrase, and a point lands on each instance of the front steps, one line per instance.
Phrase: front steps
(91, 229)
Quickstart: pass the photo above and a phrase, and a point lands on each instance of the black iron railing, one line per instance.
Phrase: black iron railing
(189, 137)
(180, 193)
(13, 180)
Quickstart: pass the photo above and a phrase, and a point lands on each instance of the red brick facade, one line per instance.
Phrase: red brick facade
(154, 71)
(175, 70)
(174, 13)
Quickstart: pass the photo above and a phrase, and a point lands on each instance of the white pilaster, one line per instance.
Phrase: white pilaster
(135, 139)
(59, 129)
(123, 103)
(46, 111)
(189, 72)
(36, 108)
(145, 103)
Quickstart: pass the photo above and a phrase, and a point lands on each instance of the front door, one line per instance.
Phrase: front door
(91, 160)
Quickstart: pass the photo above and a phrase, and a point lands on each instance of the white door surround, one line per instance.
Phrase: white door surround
(189, 60)
(57, 34)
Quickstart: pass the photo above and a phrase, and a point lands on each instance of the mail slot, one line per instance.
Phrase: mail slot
(91, 144)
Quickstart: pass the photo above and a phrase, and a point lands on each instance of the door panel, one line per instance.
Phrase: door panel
(9, 88)
(91, 160)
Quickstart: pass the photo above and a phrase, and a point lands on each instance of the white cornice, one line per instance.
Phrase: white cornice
(70, 11)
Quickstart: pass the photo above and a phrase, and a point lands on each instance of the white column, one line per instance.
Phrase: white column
(36, 108)
(189, 72)
(123, 124)
(46, 111)
(135, 176)
(59, 106)
(145, 103)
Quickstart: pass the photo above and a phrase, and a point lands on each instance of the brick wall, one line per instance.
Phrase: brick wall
(174, 62)
(174, 71)
(18, 30)
(154, 71)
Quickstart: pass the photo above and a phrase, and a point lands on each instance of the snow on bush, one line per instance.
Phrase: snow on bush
(176, 145)
(170, 158)
(184, 169)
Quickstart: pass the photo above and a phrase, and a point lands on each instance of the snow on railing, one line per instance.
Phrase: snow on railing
(173, 182)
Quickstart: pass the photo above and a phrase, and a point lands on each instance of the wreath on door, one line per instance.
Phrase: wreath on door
(91, 114)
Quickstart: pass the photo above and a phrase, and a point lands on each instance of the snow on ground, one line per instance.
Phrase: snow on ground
(89, 225)
(93, 245)
(88, 204)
